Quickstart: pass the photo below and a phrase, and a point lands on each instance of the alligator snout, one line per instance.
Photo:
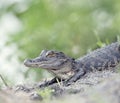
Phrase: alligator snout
(27, 62)
(31, 63)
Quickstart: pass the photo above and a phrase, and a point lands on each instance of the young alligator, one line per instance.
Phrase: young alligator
(69, 69)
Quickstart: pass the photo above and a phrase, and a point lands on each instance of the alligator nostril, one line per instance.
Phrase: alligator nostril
(33, 60)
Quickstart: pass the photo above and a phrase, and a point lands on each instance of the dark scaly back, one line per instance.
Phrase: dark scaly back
(100, 59)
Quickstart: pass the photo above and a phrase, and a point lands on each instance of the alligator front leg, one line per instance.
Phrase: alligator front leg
(75, 77)
(54, 80)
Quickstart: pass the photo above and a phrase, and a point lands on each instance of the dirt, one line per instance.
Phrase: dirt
(92, 88)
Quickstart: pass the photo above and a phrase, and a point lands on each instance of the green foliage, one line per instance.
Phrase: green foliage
(63, 24)
(45, 93)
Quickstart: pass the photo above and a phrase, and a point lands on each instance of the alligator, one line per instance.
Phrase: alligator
(69, 70)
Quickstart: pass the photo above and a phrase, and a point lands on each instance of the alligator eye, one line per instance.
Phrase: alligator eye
(50, 54)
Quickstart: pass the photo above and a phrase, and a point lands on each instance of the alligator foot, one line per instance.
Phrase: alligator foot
(75, 77)
(54, 80)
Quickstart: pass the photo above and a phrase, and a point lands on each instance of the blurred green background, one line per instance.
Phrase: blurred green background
(72, 26)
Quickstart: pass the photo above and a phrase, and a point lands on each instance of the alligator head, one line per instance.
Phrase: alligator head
(55, 62)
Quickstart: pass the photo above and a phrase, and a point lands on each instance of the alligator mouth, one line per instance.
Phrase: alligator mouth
(33, 63)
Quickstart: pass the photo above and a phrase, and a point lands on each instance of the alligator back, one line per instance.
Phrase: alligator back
(100, 59)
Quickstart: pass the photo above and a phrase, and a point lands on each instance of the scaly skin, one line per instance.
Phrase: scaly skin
(69, 69)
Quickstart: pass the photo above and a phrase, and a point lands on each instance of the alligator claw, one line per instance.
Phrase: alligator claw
(67, 84)
(23, 88)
